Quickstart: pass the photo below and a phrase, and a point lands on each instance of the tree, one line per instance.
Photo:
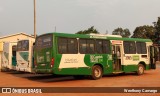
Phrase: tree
(126, 33)
(145, 32)
(157, 26)
(157, 35)
(88, 31)
(122, 32)
(157, 32)
(117, 31)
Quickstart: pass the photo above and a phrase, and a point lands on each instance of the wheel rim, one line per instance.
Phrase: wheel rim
(97, 72)
(141, 69)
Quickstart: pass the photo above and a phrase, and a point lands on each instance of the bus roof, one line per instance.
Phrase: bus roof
(98, 36)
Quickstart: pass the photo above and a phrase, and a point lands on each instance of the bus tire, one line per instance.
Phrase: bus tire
(140, 70)
(96, 72)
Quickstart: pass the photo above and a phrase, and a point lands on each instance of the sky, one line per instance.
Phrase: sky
(71, 16)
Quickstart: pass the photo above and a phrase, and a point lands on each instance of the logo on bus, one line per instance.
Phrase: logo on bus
(71, 61)
(94, 58)
(135, 57)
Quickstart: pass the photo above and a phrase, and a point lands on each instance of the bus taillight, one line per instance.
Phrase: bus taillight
(52, 62)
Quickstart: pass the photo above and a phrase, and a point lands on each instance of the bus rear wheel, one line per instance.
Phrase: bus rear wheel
(96, 72)
(140, 70)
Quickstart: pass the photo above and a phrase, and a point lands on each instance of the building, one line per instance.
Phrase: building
(12, 38)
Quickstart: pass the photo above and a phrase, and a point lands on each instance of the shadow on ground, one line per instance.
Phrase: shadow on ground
(57, 78)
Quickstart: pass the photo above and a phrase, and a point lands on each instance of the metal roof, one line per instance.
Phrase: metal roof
(16, 34)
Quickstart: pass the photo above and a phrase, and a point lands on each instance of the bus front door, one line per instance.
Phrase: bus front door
(116, 55)
(152, 57)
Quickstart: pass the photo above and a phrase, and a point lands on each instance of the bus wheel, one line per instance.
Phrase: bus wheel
(140, 70)
(96, 72)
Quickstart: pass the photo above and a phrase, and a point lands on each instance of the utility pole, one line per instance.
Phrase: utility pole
(34, 2)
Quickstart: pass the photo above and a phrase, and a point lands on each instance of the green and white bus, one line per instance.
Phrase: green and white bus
(25, 55)
(93, 55)
(9, 56)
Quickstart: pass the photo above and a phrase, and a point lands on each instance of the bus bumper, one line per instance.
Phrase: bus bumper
(45, 71)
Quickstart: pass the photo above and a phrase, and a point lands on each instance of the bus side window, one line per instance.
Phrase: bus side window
(106, 47)
(87, 46)
(141, 48)
(62, 45)
(99, 46)
(72, 46)
(102, 46)
(67, 46)
(90, 46)
(82, 46)
(129, 47)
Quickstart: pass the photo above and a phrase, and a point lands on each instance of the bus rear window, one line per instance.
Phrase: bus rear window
(23, 45)
(44, 41)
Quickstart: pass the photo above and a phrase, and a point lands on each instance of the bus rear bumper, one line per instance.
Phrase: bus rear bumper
(23, 69)
(45, 71)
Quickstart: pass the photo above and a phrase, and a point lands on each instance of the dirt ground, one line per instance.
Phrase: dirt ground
(151, 78)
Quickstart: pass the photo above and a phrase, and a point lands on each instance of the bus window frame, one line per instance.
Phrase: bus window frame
(127, 45)
(75, 50)
(87, 50)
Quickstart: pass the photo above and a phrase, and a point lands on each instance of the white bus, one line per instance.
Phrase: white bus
(9, 56)
(25, 55)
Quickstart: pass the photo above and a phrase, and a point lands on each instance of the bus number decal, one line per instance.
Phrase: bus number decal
(128, 57)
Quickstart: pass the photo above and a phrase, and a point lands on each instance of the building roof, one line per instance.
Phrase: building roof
(16, 34)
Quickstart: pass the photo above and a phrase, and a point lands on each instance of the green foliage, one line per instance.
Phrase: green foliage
(122, 32)
(88, 31)
(157, 32)
(145, 31)
(157, 27)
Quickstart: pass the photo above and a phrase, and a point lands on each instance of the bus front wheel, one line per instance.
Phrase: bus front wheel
(140, 70)
(96, 72)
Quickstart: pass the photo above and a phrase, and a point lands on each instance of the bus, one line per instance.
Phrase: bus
(25, 55)
(92, 55)
(9, 56)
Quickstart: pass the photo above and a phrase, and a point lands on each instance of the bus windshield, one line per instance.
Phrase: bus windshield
(23, 45)
(44, 42)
